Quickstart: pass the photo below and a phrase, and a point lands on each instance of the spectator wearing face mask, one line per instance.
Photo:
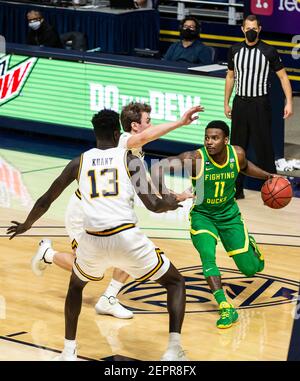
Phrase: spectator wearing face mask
(40, 32)
(189, 49)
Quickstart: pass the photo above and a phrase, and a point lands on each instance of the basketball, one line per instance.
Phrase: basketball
(276, 192)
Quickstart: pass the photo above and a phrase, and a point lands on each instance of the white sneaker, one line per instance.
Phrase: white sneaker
(111, 306)
(283, 165)
(66, 355)
(175, 353)
(295, 163)
(38, 263)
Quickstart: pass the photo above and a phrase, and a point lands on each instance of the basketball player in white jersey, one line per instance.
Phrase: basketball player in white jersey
(136, 122)
(107, 176)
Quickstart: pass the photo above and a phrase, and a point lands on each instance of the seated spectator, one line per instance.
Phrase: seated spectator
(190, 48)
(74, 40)
(40, 32)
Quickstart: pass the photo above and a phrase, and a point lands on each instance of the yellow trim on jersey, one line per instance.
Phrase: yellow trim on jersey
(236, 159)
(115, 230)
(216, 164)
(86, 275)
(80, 166)
(246, 246)
(125, 163)
(195, 232)
(156, 268)
(74, 244)
(202, 166)
(78, 194)
(192, 207)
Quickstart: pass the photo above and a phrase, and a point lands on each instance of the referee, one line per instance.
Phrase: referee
(249, 65)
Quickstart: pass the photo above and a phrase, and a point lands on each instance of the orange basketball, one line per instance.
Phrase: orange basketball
(276, 192)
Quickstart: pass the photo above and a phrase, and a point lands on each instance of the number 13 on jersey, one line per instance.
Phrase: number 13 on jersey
(111, 175)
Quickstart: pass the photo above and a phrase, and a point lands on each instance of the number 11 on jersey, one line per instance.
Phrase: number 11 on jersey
(220, 185)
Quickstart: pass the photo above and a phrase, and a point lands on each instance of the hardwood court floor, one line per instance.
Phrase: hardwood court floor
(31, 308)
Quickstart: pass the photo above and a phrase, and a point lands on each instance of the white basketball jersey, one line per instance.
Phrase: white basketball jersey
(106, 191)
(123, 144)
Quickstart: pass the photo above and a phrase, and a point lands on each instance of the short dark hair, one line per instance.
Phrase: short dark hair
(220, 125)
(35, 11)
(192, 18)
(105, 123)
(133, 113)
(251, 18)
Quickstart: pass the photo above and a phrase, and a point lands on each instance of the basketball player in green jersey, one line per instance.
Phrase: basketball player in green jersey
(215, 213)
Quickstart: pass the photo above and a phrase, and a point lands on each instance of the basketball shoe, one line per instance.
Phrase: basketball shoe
(228, 315)
(111, 306)
(38, 262)
(66, 355)
(175, 353)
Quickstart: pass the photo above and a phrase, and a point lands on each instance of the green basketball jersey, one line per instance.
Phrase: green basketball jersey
(214, 186)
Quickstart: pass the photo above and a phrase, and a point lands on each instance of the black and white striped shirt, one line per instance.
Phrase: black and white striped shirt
(251, 65)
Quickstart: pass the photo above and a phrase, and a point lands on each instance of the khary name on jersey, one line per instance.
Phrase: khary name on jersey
(102, 161)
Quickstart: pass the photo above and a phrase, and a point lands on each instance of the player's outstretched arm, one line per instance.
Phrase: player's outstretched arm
(187, 161)
(250, 169)
(43, 203)
(145, 189)
(155, 132)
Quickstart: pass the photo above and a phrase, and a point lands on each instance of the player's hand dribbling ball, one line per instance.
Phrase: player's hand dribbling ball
(276, 192)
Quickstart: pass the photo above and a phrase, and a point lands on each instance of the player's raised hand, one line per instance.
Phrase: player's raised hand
(16, 229)
(189, 116)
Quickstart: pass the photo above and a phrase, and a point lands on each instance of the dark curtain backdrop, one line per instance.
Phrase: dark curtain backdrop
(113, 33)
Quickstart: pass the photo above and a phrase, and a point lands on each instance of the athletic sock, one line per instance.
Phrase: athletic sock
(48, 256)
(70, 345)
(174, 339)
(113, 288)
(220, 296)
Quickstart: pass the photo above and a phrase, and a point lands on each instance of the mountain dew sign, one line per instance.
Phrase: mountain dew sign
(68, 93)
(13, 79)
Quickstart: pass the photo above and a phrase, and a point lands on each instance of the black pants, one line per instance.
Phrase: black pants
(251, 124)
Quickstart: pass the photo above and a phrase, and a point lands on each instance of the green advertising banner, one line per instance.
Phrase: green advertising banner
(68, 93)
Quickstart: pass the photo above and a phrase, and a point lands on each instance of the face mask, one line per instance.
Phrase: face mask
(188, 34)
(34, 25)
(251, 35)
